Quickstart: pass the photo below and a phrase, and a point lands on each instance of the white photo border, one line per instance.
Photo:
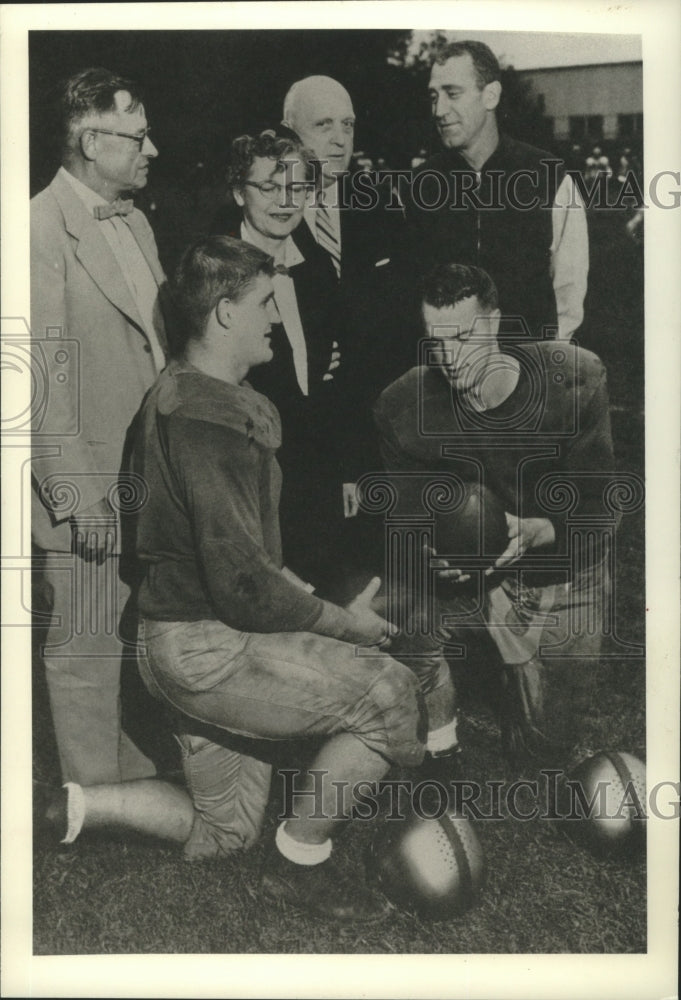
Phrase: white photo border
(547, 976)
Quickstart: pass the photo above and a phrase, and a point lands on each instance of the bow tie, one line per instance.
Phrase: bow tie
(281, 269)
(117, 207)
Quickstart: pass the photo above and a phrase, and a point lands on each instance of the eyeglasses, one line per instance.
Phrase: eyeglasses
(137, 137)
(269, 190)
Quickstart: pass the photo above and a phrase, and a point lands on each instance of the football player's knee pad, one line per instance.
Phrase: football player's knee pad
(429, 667)
(229, 791)
(397, 696)
(438, 675)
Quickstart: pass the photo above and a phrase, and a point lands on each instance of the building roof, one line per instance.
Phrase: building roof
(580, 66)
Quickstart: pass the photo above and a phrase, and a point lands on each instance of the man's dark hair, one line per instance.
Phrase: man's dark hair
(212, 268)
(90, 93)
(268, 144)
(449, 284)
(485, 63)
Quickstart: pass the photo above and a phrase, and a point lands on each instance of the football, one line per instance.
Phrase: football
(602, 804)
(432, 866)
(476, 528)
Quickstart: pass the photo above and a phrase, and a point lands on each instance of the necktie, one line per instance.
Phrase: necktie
(326, 235)
(117, 207)
(281, 269)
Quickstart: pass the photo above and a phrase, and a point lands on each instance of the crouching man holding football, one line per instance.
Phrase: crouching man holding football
(526, 428)
(237, 648)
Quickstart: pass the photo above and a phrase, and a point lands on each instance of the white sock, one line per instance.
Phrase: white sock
(75, 811)
(442, 739)
(298, 851)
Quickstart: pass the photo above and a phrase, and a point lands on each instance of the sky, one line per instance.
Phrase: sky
(530, 50)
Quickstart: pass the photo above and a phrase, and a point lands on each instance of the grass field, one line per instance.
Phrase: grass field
(543, 894)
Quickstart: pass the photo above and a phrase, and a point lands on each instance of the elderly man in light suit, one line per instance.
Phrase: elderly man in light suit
(96, 288)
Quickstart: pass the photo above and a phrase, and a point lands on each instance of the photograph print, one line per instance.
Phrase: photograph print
(337, 516)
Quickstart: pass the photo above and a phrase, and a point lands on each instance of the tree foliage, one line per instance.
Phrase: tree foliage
(520, 110)
(204, 88)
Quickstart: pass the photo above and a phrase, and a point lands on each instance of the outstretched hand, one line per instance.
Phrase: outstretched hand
(524, 533)
(367, 626)
(445, 569)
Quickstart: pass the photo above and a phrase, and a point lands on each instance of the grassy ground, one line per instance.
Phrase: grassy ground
(543, 894)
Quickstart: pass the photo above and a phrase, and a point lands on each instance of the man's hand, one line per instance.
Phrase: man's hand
(524, 533)
(94, 532)
(333, 364)
(368, 627)
(350, 500)
(445, 570)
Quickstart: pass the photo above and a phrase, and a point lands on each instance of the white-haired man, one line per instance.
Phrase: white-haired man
(364, 241)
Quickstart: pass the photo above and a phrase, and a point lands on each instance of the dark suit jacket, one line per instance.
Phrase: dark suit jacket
(317, 294)
(376, 296)
(316, 290)
(314, 455)
(375, 288)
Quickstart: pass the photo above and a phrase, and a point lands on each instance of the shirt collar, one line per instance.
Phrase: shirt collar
(287, 253)
(329, 195)
(500, 150)
(89, 197)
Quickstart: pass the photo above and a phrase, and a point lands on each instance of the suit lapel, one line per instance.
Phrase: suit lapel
(353, 240)
(94, 252)
(303, 238)
(304, 233)
(140, 231)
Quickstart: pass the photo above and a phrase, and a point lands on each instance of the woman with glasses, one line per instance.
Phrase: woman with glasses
(270, 178)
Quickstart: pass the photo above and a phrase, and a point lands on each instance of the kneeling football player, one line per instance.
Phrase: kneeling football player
(235, 647)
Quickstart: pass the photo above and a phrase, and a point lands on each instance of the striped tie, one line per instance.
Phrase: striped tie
(326, 236)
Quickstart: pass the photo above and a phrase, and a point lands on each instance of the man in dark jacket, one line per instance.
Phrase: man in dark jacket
(496, 203)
